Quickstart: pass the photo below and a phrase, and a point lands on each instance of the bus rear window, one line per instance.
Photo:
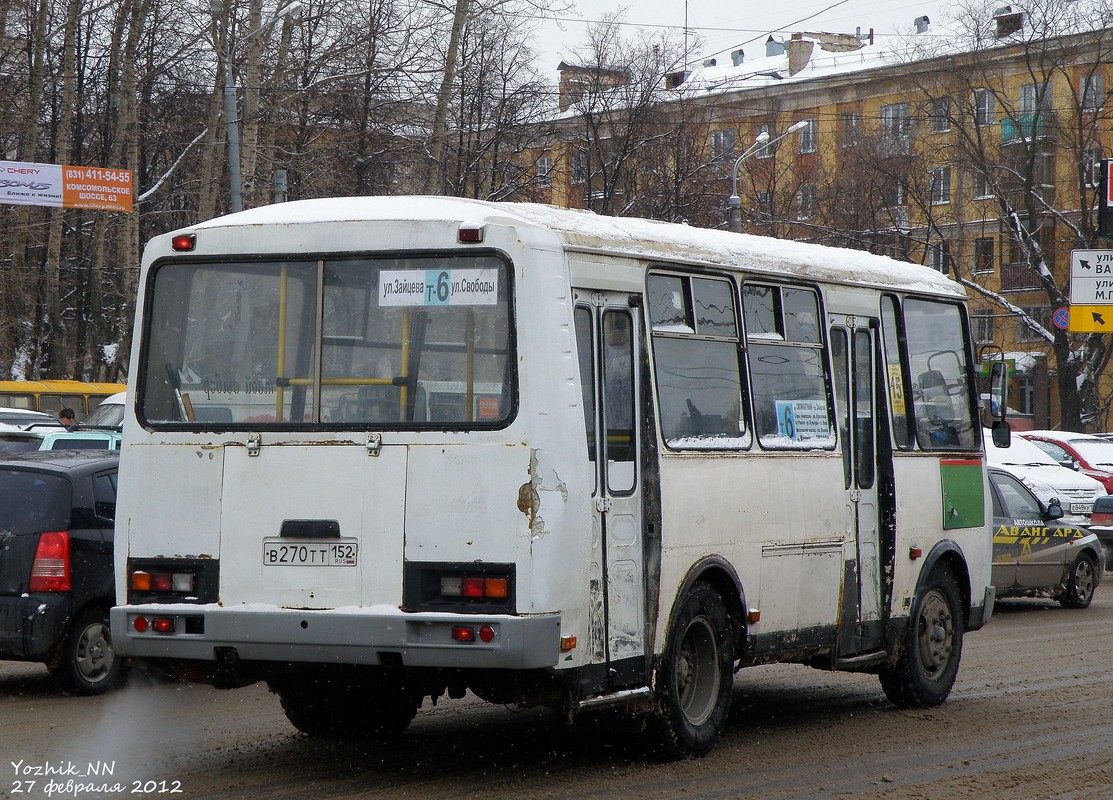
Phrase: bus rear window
(412, 342)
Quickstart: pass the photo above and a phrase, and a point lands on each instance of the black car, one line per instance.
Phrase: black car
(56, 584)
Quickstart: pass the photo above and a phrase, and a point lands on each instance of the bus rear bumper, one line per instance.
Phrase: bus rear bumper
(345, 636)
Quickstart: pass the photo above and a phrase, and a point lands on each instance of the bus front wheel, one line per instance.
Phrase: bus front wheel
(694, 677)
(926, 669)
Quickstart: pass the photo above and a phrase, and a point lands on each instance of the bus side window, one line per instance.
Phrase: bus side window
(587, 375)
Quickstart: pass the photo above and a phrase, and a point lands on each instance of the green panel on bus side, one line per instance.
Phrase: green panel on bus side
(963, 493)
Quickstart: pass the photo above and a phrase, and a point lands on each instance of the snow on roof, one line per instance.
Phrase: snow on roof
(965, 29)
(627, 236)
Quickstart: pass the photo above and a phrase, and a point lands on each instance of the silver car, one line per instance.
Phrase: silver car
(1036, 555)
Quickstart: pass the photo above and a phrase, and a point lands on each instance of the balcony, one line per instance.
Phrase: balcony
(1026, 127)
(1016, 277)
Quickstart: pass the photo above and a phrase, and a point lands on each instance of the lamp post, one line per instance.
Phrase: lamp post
(734, 202)
(230, 113)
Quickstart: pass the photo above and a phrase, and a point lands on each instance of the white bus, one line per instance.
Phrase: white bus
(387, 449)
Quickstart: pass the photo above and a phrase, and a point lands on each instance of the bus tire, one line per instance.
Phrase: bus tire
(694, 677)
(1081, 583)
(89, 665)
(304, 707)
(365, 705)
(927, 666)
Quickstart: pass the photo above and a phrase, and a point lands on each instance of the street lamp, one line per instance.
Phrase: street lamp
(734, 202)
(234, 176)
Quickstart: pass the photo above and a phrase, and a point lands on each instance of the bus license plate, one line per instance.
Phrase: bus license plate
(286, 553)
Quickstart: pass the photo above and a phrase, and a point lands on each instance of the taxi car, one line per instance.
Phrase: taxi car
(1034, 553)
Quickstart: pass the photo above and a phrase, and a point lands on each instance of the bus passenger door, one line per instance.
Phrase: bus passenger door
(861, 430)
(609, 342)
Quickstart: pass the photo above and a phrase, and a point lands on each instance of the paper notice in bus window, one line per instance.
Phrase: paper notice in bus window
(439, 287)
(802, 419)
(896, 389)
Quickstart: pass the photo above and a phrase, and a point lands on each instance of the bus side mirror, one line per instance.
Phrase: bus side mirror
(1001, 433)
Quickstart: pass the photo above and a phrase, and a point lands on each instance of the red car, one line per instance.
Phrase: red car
(1091, 455)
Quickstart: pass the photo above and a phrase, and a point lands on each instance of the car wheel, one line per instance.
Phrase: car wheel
(695, 677)
(89, 664)
(1081, 583)
(927, 666)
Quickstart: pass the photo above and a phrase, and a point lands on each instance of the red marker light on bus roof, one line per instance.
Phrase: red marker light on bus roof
(184, 242)
(470, 233)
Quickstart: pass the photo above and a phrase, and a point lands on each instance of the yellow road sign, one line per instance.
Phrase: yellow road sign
(1090, 319)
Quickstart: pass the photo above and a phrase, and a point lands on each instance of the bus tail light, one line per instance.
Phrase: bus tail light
(50, 571)
(462, 633)
(475, 587)
(144, 581)
(184, 243)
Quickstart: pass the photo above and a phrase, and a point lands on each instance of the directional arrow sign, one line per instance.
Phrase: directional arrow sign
(1091, 278)
(1091, 319)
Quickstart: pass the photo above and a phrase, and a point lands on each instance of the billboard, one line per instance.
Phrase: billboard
(27, 183)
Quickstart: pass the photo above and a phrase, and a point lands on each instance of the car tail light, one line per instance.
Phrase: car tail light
(50, 571)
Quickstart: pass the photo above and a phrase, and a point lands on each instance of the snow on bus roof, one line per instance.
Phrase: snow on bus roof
(628, 236)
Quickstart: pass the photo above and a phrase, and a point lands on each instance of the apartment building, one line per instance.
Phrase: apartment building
(973, 147)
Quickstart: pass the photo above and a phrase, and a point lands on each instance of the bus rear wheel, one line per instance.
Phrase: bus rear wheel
(350, 702)
(925, 672)
(694, 677)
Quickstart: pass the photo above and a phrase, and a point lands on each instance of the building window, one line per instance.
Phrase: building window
(1041, 315)
(1092, 91)
(939, 257)
(896, 121)
(764, 201)
(544, 171)
(1026, 395)
(983, 255)
(894, 194)
(985, 106)
(1043, 169)
(765, 151)
(983, 326)
(941, 115)
(850, 128)
(579, 166)
(980, 185)
(722, 147)
(806, 138)
(806, 201)
(940, 185)
(1091, 166)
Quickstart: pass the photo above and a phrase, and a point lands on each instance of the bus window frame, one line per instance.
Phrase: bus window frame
(822, 346)
(317, 257)
(686, 276)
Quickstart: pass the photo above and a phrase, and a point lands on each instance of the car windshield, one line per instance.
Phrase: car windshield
(106, 415)
(33, 502)
(1095, 451)
(18, 443)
